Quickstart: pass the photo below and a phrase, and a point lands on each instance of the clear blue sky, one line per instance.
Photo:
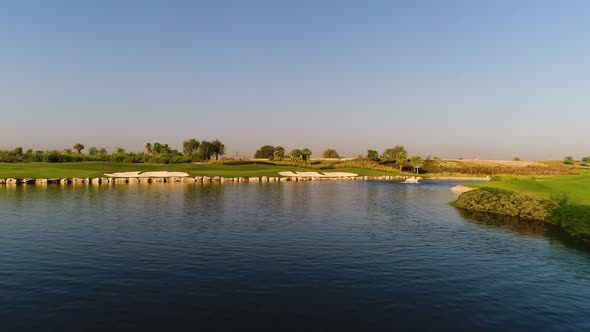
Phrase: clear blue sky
(472, 79)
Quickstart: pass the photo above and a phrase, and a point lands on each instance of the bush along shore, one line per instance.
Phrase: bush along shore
(557, 211)
(188, 179)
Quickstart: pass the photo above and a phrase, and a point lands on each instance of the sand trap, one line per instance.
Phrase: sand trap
(461, 189)
(317, 175)
(339, 174)
(147, 175)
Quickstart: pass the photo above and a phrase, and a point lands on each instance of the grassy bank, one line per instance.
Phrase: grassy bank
(563, 201)
(576, 187)
(98, 169)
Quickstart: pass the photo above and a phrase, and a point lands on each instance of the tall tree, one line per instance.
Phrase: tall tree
(400, 159)
(148, 148)
(417, 162)
(391, 153)
(218, 148)
(157, 148)
(278, 153)
(330, 153)
(265, 152)
(93, 151)
(295, 154)
(166, 148)
(306, 154)
(205, 150)
(79, 147)
(190, 147)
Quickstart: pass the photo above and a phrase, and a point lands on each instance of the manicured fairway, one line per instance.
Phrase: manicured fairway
(577, 187)
(570, 192)
(98, 169)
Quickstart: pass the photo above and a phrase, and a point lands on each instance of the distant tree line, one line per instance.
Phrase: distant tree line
(156, 153)
(194, 150)
(569, 160)
(278, 153)
(203, 150)
(398, 156)
(270, 152)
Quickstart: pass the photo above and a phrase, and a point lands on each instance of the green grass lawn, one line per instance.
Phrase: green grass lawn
(577, 187)
(99, 168)
(572, 214)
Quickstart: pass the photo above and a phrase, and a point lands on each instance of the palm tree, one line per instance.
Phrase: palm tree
(417, 162)
(79, 147)
(157, 148)
(400, 159)
(148, 148)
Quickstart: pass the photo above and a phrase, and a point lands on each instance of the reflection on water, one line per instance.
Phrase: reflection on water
(307, 256)
(526, 228)
(516, 225)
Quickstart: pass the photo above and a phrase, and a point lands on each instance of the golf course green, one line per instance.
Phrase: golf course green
(563, 201)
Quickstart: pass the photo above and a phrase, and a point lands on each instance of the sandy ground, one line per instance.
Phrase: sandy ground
(147, 175)
(490, 163)
(316, 174)
(461, 189)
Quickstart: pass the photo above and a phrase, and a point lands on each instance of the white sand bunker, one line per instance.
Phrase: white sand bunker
(164, 174)
(317, 175)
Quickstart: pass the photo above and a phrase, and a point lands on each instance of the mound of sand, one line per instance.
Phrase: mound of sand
(163, 174)
(317, 175)
(461, 189)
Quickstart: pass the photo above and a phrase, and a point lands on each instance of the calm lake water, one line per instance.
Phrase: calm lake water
(278, 256)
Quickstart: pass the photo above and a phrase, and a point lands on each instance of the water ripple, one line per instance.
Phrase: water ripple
(288, 256)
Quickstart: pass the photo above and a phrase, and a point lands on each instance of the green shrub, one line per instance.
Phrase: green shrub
(53, 157)
(498, 201)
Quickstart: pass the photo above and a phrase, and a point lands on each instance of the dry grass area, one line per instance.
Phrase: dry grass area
(437, 167)
(508, 163)
(492, 167)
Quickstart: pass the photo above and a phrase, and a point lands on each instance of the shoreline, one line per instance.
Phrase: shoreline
(188, 179)
(528, 207)
(454, 178)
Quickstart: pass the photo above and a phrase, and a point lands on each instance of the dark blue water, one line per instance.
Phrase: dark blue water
(278, 256)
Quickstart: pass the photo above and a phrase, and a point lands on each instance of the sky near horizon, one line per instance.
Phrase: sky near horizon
(470, 79)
